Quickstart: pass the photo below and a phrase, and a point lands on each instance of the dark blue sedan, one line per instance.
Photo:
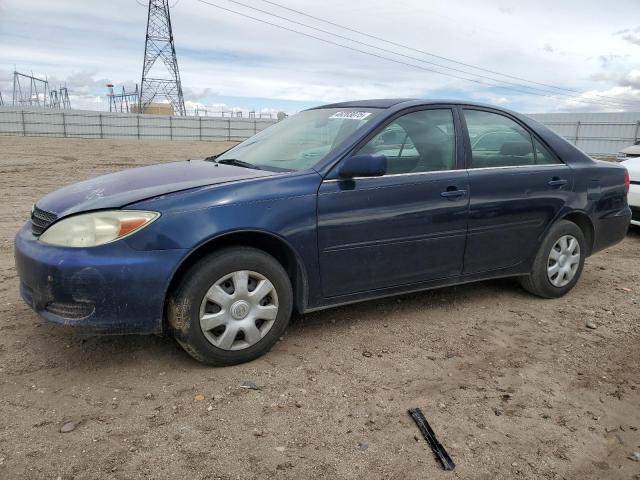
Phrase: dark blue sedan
(337, 204)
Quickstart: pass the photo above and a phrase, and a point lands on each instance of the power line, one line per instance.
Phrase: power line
(390, 42)
(547, 92)
(577, 99)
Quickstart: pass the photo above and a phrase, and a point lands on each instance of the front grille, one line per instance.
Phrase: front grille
(40, 220)
(70, 311)
(635, 214)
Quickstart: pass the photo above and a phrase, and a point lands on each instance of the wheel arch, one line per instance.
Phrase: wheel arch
(268, 242)
(583, 221)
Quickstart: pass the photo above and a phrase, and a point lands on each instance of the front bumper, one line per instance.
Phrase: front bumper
(111, 288)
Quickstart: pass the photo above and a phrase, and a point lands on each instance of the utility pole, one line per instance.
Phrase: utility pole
(163, 81)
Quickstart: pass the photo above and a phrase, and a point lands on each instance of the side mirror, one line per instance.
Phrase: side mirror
(363, 166)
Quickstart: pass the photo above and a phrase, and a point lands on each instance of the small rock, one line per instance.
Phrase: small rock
(199, 397)
(249, 386)
(363, 445)
(367, 354)
(298, 404)
(635, 456)
(441, 405)
(497, 412)
(260, 433)
(148, 396)
(416, 437)
(209, 408)
(514, 464)
(68, 427)
(280, 449)
(591, 325)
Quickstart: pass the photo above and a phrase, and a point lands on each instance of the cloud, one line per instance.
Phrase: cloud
(631, 35)
(229, 60)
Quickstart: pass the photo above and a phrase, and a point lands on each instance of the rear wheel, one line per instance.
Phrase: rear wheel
(231, 307)
(559, 262)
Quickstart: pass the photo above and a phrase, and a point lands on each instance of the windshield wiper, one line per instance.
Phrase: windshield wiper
(237, 163)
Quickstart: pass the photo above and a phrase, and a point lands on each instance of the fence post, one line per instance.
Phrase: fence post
(100, 117)
(255, 126)
(229, 129)
(64, 125)
(577, 133)
(636, 136)
(138, 125)
(200, 127)
(24, 126)
(170, 127)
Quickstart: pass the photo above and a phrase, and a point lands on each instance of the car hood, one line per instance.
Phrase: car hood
(632, 150)
(119, 189)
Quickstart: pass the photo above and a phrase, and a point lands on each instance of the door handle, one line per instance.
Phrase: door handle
(451, 193)
(557, 182)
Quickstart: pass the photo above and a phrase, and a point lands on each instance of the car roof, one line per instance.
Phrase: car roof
(385, 103)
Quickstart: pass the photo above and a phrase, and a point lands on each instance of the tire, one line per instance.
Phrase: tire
(540, 282)
(221, 276)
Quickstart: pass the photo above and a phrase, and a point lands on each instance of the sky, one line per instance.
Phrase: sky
(589, 49)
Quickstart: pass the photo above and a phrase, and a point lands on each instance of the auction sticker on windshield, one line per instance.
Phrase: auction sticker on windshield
(351, 115)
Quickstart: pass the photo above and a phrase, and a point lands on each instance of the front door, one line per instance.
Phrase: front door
(517, 188)
(406, 227)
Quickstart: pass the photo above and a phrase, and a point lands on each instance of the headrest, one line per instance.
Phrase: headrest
(516, 149)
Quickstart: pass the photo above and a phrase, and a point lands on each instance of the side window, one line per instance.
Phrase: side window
(422, 141)
(543, 155)
(497, 141)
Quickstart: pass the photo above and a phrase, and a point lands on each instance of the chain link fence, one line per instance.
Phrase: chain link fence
(87, 124)
(598, 134)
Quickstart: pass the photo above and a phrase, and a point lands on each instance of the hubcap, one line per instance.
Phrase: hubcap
(564, 260)
(238, 310)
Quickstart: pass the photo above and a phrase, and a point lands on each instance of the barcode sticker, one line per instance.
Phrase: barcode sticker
(351, 115)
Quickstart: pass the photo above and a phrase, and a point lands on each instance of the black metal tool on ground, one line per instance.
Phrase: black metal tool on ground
(441, 454)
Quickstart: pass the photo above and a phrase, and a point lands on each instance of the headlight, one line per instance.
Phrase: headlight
(97, 228)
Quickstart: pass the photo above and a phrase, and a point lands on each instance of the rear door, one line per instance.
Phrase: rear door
(406, 227)
(517, 188)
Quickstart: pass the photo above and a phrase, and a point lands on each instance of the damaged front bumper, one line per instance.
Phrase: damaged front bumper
(111, 288)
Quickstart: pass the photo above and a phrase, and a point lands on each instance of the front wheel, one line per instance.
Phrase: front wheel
(559, 262)
(231, 307)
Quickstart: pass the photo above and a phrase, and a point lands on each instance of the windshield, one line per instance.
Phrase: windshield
(300, 141)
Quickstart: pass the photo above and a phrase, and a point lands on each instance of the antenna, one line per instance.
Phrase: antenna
(160, 83)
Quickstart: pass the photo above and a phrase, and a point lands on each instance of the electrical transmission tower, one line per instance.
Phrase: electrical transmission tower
(35, 95)
(59, 99)
(160, 83)
(123, 102)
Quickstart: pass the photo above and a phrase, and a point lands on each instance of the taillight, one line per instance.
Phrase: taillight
(626, 180)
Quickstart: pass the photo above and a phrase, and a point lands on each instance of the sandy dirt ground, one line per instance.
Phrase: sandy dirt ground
(514, 386)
